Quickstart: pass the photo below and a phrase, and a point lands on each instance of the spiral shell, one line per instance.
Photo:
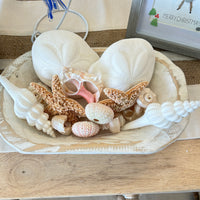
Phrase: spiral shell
(164, 115)
(146, 97)
(59, 123)
(27, 107)
(99, 113)
(85, 129)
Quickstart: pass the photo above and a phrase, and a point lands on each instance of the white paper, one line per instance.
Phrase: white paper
(19, 17)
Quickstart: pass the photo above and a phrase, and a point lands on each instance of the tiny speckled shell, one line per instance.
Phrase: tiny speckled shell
(99, 113)
(85, 129)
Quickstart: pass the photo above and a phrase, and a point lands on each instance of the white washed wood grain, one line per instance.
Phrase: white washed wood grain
(194, 92)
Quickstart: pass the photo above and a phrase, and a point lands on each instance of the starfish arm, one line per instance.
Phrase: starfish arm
(116, 95)
(67, 104)
(110, 103)
(136, 89)
(62, 102)
(56, 86)
(46, 96)
(42, 92)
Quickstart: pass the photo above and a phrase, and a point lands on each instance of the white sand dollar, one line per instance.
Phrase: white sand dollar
(56, 49)
(125, 63)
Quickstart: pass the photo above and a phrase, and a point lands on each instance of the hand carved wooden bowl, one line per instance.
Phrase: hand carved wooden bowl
(168, 83)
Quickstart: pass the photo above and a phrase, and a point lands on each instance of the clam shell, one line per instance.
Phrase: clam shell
(85, 129)
(99, 113)
(56, 49)
(125, 63)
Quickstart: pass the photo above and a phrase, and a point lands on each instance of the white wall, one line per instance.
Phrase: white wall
(19, 17)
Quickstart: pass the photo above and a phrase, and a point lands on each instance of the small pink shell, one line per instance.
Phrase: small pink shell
(85, 129)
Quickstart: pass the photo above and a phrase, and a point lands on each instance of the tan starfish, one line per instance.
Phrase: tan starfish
(120, 100)
(57, 102)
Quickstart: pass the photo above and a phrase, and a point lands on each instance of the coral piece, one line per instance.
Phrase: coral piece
(146, 97)
(27, 107)
(78, 83)
(85, 129)
(57, 103)
(163, 115)
(99, 113)
(60, 123)
(120, 100)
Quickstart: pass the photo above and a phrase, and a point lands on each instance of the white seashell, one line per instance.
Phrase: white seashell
(85, 129)
(105, 126)
(53, 50)
(132, 59)
(80, 83)
(99, 113)
(133, 113)
(122, 121)
(146, 97)
(115, 125)
(59, 123)
(27, 107)
(164, 115)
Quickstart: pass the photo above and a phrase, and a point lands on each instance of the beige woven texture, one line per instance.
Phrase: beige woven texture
(14, 46)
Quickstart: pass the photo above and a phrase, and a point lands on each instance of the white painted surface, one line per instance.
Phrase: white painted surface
(19, 17)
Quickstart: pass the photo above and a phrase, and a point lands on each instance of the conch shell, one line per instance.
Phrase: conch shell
(163, 115)
(77, 83)
(27, 107)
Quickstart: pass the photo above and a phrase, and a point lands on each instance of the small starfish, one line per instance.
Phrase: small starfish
(120, 100)
(57, 102)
